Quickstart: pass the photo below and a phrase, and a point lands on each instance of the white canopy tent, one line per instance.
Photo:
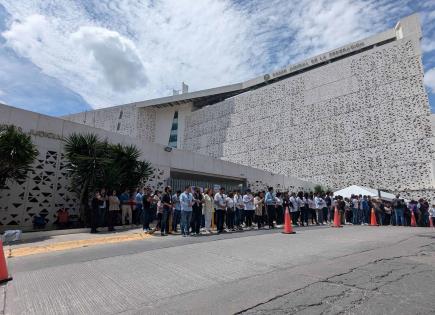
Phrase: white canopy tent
(360, 190)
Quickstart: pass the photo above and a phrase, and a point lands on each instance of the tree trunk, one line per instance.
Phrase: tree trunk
(83, 202)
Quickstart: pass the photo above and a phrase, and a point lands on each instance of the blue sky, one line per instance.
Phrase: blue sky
(62, 56)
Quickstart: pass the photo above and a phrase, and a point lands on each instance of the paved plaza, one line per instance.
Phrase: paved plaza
(318, 270)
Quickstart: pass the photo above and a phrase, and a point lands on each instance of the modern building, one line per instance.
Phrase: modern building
(47, 188)
(358, 114)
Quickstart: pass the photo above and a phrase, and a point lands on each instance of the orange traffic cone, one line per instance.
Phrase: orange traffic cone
(288, 229)
(413, 223)
(373, 221)
(4, 275)
(336, 223)
(430, 222)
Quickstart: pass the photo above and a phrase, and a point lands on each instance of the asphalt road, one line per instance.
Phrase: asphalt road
(353, 270)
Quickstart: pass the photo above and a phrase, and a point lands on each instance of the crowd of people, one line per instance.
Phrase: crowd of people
(195, 211)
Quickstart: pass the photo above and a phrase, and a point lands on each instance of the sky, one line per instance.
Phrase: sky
(59, 57)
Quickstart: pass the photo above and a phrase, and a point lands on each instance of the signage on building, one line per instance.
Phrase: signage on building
(318, 59)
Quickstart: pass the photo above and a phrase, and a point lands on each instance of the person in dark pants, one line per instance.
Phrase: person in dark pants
(230, 211)
(259, 209)
(279, 208)
(113, 210)
(167, 208)
(177, 210)
(270, 202)
(96, 203)
(146, 207)
(197, 211)
(220, 203)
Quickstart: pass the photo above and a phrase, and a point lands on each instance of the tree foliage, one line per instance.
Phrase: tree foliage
(17, 153)
(95, 164)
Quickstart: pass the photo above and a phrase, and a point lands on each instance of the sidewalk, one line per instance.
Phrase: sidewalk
(49, 243)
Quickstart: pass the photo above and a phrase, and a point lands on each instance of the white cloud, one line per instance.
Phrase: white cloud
(114, 57)
(429, 79)
(114, 52)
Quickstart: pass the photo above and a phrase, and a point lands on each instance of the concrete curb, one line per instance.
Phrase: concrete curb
(26, 236)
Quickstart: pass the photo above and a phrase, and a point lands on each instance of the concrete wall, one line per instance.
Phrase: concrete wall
(47, 188)
(361, 120)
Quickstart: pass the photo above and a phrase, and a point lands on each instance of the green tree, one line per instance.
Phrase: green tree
(126, 170)
(93, 164)
(319, 189)
(86, 156)
(17, 153)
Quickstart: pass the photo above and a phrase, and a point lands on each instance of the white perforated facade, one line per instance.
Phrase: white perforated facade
(356, 115)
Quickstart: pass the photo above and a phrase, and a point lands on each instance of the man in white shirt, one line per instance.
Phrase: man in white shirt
(294, 208)
(220, 206)
(319, 207)
(240, 205)
(248, 200)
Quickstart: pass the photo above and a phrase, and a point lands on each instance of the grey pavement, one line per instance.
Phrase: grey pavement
(361, 270)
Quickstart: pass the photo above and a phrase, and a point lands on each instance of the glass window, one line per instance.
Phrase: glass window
(173, 135)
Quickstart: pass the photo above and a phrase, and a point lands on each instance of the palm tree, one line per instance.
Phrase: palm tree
(131, 172)
(94, 164)
(86, 156)
(17, 153)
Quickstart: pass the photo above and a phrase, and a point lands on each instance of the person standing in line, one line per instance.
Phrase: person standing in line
(329, 214)
(137, 215)
(270, 203)
(186, 201)
(113, 210)
(197, 211)
(424, 213)
(239, 204)
(208, 209)
(432, 214)
(355, 209)
(95, 208)
(157, 205)
(230, 211)
(312, 207)
(249, 208)
(365, 210)
(259, 209)
(166, 211)
(347, 211)
(102, 211)
(302, 211)
(147, 201)
(279, 208)
(399, 210)
(294, 209)
(220, 206)
(177, 210)
(319, 208)
(387, 214)
(125, 207)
